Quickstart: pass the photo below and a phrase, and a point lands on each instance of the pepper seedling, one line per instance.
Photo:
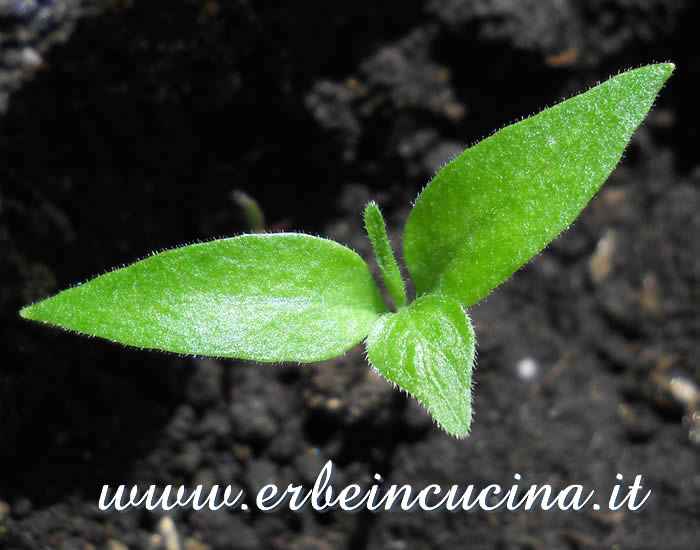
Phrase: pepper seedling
(295, 297)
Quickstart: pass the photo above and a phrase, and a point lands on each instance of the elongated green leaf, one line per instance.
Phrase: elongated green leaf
(376, 230)
(502, 201)
(275, 297)
(427, 349)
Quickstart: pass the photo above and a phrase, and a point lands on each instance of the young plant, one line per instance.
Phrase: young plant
(295, 297)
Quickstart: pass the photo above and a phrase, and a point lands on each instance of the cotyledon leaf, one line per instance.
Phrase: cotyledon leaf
(427, 349)
(499, 203)
(269, 297)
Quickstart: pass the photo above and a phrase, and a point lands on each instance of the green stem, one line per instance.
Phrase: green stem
(376, 229)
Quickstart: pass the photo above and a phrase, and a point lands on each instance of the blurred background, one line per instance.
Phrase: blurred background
(128, 126)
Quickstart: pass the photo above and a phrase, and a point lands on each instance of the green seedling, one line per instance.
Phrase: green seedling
(249, 207)
(295, 297)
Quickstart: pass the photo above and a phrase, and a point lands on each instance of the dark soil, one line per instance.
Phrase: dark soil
(127, 125)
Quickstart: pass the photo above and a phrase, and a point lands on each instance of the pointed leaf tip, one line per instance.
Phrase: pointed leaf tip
(427, 349)
(265, 297)
(668, 68)
(498, 204)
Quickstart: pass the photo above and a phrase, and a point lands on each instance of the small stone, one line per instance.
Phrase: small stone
(113, 544)
(649, 295)
(685, 392)
(527, 369)
(601, 263)
(334, 404)
(25, 58)
(30, 58)
(155, 542)
(619, 302)
(167, 530)
(194, 544)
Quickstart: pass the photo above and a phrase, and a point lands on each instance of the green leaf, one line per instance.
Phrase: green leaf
(376, 230)
(427, 349)
(274, 297)
(499, 203)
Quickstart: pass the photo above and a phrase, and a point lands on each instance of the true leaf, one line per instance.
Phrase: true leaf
(501, 202)
(427, 349)
(376, 230)
(274, 297)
